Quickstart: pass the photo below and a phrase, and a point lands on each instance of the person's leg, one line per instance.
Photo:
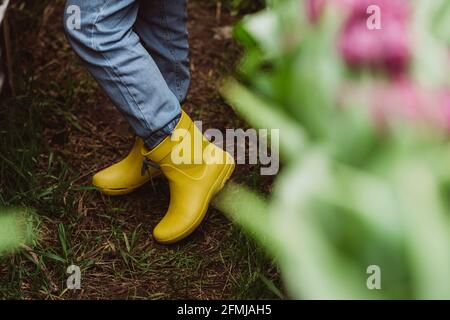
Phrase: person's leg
(162, 27)
(114, 55)
(127, 72)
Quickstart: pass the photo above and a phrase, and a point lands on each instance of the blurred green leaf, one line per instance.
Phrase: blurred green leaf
(12, 232)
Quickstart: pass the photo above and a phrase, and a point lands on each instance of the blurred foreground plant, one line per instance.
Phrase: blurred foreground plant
(364, 138)
(14, 230)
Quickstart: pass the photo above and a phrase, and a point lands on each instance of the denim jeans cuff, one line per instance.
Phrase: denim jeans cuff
(158, 136)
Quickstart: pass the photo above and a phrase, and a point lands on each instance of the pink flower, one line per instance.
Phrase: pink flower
(445, 107)
(388, 47)
(314, 9)
(404, 99)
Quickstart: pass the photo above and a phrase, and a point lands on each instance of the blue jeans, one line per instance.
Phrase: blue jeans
(137, 50)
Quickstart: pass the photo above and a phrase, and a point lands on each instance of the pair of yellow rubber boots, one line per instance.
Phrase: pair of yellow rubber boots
(195, 168)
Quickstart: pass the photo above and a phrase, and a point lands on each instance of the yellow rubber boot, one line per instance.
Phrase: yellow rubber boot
(193, 183)
(127, 175)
